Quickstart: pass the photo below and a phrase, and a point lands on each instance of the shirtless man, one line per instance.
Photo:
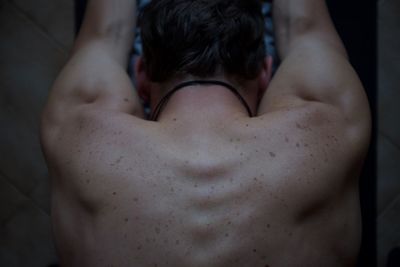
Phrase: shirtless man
(207, 182)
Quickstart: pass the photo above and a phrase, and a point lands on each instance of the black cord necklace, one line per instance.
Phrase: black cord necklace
(180, 86)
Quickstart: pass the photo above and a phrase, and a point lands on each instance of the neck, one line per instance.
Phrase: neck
(202, 96)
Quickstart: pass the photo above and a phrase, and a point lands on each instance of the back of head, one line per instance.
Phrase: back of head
(203, 38)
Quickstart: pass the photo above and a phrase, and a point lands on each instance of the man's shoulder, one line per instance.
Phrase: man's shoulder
(319, 123)
(87, 124)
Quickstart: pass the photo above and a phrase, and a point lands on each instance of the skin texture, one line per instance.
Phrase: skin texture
(206, 185)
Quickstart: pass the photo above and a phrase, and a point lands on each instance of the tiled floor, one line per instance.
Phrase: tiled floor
(35, 38)
(389, 129)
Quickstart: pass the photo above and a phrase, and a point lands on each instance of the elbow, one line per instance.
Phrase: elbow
(294, 20)
(301, 25)
(117, 31)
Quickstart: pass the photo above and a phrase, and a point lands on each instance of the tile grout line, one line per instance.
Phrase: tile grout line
(7, 179)
(396, 198)
(12, 109)
(389, 139)
(388, 207)
(38, 27)
(10, 106)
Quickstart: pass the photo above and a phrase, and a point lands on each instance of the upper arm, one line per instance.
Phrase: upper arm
(91, 80)
(95, 76)
(315, 68)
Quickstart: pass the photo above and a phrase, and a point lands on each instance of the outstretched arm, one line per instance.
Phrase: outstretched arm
(302, 21)
(315, 68)
(95, 76)
(112, 23)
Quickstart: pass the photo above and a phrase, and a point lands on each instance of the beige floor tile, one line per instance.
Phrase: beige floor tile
(389, 69)
(25, 232)
(55, 17)
(29, 63)
(388, 172)
(388, 231)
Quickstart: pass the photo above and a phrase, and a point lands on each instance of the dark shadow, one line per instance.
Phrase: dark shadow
(356, 23)
(394, 258)
(80, 8)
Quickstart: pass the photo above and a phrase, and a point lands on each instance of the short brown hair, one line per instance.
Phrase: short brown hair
(199, 37)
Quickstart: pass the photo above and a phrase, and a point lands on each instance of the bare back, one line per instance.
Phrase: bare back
(279, 189)
(234, 194)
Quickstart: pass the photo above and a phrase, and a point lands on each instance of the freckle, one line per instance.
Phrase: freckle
(256, 150)
(306, 145)
(272, 154)
(174, 119)
(88, 181)
(126, 220)
(241, 153)
(247, 125)
(255, 137)
(157, 230)
(126, 99)
(226, 235)
(119, 159)
(268, 226)
(177, 242)
(238, 139)
(254, 250)
(229, 223)
(135, 199)
(114, 193)
(297, 144)
(139, 247)
(231, 140)
(286, 139)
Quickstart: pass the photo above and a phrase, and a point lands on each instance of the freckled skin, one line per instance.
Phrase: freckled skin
(213, 196)
(206, 185)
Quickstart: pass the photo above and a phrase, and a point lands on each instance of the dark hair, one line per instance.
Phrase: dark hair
(202, 37)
